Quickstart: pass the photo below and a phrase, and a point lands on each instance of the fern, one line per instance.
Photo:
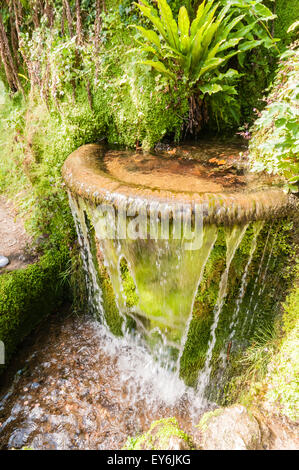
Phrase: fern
(196, 51)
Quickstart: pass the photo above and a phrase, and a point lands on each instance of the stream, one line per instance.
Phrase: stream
(73, 385)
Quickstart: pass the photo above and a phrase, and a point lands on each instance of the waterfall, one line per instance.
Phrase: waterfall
(163, 301)
(209, 239)
(262, 284)
(249, 317)
(170, 266)
(233, 239)
(93, 289)
(257, 227)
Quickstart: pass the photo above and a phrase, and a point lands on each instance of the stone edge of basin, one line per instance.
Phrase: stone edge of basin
(81, 179)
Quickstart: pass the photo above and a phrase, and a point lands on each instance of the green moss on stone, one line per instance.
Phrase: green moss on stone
(258, 307)
(112, 316)
(158, 436)
(27, 296)
(128, 285)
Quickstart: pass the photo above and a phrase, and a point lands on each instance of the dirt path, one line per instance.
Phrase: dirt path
(14, 241)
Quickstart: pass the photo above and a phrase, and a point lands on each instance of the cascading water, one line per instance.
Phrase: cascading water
(174, 297)
(155, 286)
(233, 238)
(257, 227)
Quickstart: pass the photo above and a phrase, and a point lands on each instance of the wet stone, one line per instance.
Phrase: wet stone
(3, 261)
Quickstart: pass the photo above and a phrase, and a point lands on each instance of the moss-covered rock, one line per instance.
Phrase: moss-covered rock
(230, 428)
(257, 284)
(164, 434)
(27, 296)
(281, 381)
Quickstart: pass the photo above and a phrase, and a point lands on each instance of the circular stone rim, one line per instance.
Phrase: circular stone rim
(81, 179)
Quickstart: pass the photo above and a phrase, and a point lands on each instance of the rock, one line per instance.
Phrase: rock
(3, 261)
(164, 434)
(230, 428)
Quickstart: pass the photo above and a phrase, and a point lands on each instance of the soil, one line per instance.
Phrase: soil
(15, 243)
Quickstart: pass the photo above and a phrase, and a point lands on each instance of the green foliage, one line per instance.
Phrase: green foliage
(158, 436)
(197, 53)
(275, 140)
(257, 357)
(128, 285)
(27, 296)
(287, 12)
(257, 312)
(283, 371)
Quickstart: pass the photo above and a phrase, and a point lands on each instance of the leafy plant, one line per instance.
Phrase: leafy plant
(198, 52)
(275, 140)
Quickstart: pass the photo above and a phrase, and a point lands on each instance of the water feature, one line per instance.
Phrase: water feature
(233, 238)
(257, 227)
(168, 239)
(178, 252)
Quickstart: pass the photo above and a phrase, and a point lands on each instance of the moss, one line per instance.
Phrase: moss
(202, 425)
(158, 436)
(281, 383)
(112, 316)
(29, 295)
(266, 286)
(287, 12)
(128, 284)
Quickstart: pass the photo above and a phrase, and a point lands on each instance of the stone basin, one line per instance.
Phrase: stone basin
(226, 192)
(195, 305)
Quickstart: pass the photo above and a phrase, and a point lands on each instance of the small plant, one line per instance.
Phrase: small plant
(258, 355)
(197, 52)
(274, 146)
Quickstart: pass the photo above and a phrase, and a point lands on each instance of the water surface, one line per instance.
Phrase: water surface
(81, 388)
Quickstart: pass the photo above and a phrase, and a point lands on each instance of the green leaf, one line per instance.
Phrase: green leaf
(153, 18)
(246, 46)
(169, 23)
(214, 50)
(263, 12)
(197, 49)
(160, 67)
(242, 32)
(293, 27)
(150, 35)
(209, 34)
(280, 122)
(230, 74)
(210, 88)
(184, 25)
(209, 65)
(201, 17)
(199, 14)
(229, 43)
(231, 25)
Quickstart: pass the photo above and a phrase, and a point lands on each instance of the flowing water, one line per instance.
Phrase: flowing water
(257, 227)
(80, 387)
(164, 310)
(233, 239)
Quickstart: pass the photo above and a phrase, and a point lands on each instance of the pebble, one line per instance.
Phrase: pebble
(3, 261)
